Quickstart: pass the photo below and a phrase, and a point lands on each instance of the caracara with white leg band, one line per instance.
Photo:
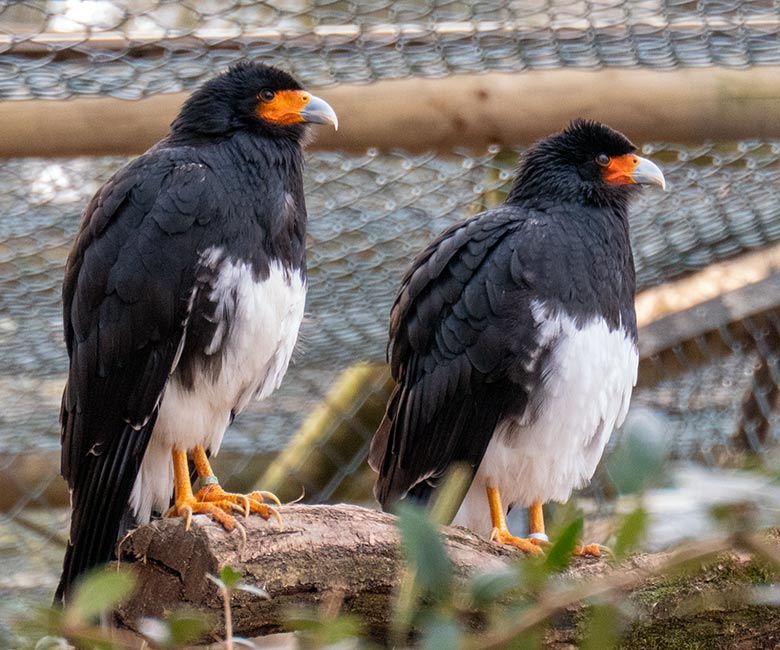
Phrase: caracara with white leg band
(513, 339)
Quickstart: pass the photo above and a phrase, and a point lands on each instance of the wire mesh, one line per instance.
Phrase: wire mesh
(369, 215)
(133, 48)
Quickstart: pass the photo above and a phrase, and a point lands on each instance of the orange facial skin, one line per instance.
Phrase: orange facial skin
(620, 168)
(285, 107)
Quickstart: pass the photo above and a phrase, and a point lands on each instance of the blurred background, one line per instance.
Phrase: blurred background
(436, 100)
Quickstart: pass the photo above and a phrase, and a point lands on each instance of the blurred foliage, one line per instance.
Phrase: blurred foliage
(515, 607)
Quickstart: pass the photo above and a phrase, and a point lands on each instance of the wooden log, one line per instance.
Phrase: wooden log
(323, 551)
(419, 114)
(350, 555)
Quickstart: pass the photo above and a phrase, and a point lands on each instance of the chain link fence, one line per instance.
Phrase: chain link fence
(716, 392)
(132, 48)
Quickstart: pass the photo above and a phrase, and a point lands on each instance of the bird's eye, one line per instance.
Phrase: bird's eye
(266, 94)
(602, 159)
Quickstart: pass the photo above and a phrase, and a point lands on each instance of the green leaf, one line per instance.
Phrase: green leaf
(230, 577)
(320, 629)
(254, 590)
(40, 622)
(302, 621)
(486, 589)
(528, 640)
(630, 533)
(53, 643)
(182, 627)
(100, 591)
(560, 553)
(603, 631)
(342, 628)
(638, 460)
(188, 626)
(450, 495)
(425, 551)
(441, 632)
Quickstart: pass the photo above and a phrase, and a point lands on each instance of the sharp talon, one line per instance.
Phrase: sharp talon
(212, 500)
(228, 525)
(277, 516)
(242, 532)
(269, 495)
(300, 498)
(531, 546)
(591, 550)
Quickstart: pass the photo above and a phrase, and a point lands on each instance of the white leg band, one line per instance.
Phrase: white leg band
(541, 536)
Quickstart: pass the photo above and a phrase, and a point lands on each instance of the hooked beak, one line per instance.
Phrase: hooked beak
(318, 111)
(647, 173)
(630, 168)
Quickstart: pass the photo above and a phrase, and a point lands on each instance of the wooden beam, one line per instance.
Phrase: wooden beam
(732, 307)
(688, 105)
(710, 282)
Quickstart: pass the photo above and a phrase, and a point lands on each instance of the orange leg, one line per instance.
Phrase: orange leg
(501, 533)
(211, 499)
(536, 526)
(536, 522)
(536, 535)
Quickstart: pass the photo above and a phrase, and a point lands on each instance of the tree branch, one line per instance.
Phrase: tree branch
(351, 554)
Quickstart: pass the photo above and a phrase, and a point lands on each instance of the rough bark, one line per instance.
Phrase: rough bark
(685, 105)
(322, 551)
(351, 554)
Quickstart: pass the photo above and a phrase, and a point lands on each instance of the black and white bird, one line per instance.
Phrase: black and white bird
(513, 338)
(183, 295)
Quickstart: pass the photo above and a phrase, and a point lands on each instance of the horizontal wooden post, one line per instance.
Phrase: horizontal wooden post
(687, 105)
(753, 300)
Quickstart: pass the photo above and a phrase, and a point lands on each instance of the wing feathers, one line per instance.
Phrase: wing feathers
(446, 352)
(125, 298)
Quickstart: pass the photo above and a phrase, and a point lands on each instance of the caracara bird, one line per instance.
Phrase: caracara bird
(513, 338)
(182, 297)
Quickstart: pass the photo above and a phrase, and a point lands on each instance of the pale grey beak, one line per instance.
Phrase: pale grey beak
(648, 173)
(318, 111)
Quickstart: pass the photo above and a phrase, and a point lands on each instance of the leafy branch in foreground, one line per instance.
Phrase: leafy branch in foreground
(228, 582)
(523, 604)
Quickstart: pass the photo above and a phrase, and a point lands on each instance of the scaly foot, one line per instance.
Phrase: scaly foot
(212, 500)
(531, 545)
(590, 550)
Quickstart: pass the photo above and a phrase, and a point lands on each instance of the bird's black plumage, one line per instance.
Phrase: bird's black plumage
(139, 297)
(465, 345)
